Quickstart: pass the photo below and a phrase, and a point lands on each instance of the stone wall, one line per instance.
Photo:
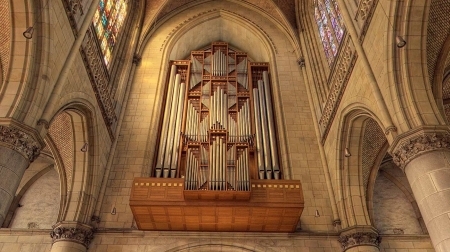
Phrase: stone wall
(138, 241)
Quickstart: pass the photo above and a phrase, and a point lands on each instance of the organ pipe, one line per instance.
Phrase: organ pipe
(259, 148)
(162, 148)
(177, 133)
(173, 112)
(218, 128)
(265, 133)
(273, 146)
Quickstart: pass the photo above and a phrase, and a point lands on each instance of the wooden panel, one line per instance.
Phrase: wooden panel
(271, 206)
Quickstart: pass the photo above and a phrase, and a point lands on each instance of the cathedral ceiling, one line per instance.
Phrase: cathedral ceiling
(281, 10)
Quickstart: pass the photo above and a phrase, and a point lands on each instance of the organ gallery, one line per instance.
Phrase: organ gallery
(217, 165)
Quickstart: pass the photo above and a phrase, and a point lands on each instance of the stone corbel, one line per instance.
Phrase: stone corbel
(359, 236)
(72, 231)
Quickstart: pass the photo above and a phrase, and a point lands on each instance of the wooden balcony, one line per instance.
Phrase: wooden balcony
(163, 204)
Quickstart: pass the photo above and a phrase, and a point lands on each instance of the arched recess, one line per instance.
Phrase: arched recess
(392, 206)
(42, 165)
(36, 204)
(233, 28)
(351, 174)
(410, 80)
(76, 160)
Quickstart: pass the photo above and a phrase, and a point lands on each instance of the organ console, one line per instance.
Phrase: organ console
(218, 136)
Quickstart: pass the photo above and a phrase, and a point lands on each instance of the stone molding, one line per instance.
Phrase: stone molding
(338, 79)
(364, 9)
(99, 75)
(20, 141)
(359, 239)
(417, 144)
(93, 61)
(73, 232)
(76, 5)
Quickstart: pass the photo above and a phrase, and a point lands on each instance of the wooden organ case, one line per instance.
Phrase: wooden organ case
(217, 165)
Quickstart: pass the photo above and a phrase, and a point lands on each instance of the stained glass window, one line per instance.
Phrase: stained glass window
(330, 24)
(108, 20)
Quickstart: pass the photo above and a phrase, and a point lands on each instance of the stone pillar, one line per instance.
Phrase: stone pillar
(71, 237)
(18, 148)
(424, 155)
(360, 239)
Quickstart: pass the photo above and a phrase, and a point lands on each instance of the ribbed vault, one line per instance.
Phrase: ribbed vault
(281, 10)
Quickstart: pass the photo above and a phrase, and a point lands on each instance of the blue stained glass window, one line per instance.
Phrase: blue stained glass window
(331, 29)
(108, 21)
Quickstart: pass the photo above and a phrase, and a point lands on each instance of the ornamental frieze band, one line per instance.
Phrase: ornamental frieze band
(407, 151)
(359, 239)
(80, 234)
(20, 141)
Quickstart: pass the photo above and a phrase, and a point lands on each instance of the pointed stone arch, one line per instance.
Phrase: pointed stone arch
(183, 36)
(351, 177)
(411, 74)
(80, 165)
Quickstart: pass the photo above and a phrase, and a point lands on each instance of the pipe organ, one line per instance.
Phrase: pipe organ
(218, 131)
(217, 143)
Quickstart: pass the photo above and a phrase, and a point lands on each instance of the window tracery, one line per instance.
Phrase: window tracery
(330, 24)
(108, 21)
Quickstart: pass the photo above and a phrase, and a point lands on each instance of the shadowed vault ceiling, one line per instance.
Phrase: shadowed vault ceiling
(281, 10)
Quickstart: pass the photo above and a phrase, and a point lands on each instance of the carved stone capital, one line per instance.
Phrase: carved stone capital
(19, 141)
(359, 239)
(74, 232)
(417, 143)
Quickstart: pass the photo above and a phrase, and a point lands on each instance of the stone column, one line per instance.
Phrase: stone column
(71, 237)
(424, 155)
(360, 239)
(18, 148)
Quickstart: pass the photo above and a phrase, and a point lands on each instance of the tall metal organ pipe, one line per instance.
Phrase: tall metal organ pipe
(173, 112)
(221, 161)
(265, 133)
(163, 141)
(177, 133)
(259, 142)
(270, 118)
